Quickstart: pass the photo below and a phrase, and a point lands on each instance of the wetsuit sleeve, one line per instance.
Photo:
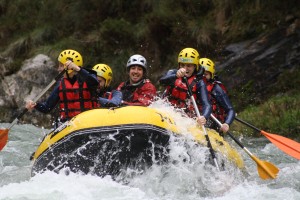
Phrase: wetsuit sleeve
(50, 103)
(169, 78)
(116, 97)
(223, 100)
(145, 95)
(103, 101)
(90, 79)
(114, 101)
(202, 94)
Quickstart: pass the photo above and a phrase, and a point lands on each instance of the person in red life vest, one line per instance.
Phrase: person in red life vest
(177, 91)
(138, 90)
(221, 105)
(74, 92)
(106, 96)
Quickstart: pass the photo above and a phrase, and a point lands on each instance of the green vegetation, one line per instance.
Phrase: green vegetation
(279, 115)
(109, 31)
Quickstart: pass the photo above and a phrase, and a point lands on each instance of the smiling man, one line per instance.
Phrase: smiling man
(177, 91)
(138, 90)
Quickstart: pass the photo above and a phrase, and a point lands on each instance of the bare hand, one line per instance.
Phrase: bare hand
(30, 105)
(224, 128)
(181, 72)
(72, 66)
(201, 120)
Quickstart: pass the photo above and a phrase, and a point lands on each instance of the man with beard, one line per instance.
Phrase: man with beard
(138, 90)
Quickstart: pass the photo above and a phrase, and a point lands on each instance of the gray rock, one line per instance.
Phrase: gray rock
(35, 74)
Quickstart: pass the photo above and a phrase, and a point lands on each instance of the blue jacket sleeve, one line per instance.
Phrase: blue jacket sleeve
(223, 100)
(90, 79)
(169, 78)
(50, 103)
(103, 101)
(114, 101)
(202, 95)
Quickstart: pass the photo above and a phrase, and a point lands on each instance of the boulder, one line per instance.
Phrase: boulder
(34, 75)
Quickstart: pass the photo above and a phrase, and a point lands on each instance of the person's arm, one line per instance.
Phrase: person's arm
(145, 96)
(202, 94)
(50, 103)
(113, 101)
(169, 78)
(223, 100)
(90, 79)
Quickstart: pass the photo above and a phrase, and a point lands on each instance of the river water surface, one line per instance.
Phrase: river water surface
(179, 180)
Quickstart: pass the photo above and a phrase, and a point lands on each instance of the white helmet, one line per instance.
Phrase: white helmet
(137, 60)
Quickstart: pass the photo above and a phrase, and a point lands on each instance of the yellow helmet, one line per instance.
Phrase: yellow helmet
(189, 55)
(208, 66)
(105, 72)
(72, 55)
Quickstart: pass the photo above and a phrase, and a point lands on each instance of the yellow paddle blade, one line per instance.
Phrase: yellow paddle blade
(265, 169)
(3, 138)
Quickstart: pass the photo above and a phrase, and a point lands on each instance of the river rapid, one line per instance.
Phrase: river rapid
(176, 181)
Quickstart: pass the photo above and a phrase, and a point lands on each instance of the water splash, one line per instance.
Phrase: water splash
(188, 176)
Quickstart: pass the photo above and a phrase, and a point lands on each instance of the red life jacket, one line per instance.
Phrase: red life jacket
(74, 99)
(178, 95)
(130, 95)
(141, 94)
(217, 110)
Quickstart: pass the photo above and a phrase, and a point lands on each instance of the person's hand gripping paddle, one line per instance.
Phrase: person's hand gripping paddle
(4, 132)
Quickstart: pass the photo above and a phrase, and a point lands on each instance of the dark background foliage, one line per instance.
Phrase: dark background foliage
(110, 31)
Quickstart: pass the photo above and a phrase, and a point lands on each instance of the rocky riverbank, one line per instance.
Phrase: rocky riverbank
(252, 70)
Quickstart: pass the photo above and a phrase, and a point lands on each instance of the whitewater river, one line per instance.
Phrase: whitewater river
(178, 180)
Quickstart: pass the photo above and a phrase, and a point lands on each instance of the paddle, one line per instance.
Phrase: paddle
(4, 132)
(265, 169)
(203, 128)
(287, 145)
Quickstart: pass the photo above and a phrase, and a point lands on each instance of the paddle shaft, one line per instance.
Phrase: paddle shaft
(266, 170)
(287, 145)
(24, 111)
(238, 142)
(246, 123)
(203, 128)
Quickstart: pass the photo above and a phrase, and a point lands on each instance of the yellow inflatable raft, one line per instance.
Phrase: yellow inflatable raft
(104, 141)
